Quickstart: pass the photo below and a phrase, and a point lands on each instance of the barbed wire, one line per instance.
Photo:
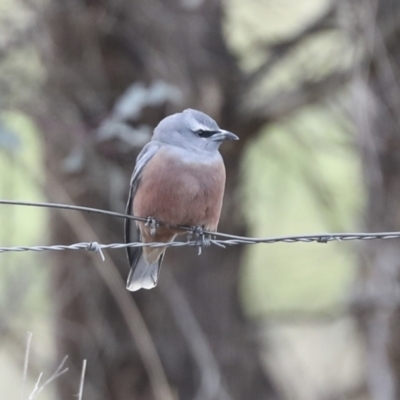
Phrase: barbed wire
(230, 240)
(319, 238)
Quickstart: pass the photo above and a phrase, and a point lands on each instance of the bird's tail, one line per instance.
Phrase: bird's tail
(144, 275)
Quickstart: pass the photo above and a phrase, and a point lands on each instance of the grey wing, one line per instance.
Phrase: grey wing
(131, 230)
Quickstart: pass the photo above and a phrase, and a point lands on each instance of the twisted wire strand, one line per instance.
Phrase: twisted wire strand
(318, 238)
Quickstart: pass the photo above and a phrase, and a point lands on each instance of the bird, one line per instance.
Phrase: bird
(178, 180)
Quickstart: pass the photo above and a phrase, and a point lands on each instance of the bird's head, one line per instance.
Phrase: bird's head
(192, 129)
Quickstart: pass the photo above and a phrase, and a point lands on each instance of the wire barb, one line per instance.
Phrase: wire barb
(323, 239)
(95, 247)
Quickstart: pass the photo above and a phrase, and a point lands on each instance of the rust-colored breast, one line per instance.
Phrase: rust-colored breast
(180, 192)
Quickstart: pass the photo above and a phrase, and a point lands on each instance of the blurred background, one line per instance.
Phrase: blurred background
(312, 90)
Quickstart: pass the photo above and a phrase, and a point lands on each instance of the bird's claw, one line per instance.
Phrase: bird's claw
(199, 238)
(153, 224)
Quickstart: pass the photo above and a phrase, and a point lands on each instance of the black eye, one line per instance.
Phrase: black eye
(205, 134)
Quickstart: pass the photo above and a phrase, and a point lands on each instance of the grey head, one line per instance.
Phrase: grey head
(191, 129)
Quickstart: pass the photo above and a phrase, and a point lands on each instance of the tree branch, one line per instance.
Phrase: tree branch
(276, 52)
(267, 109)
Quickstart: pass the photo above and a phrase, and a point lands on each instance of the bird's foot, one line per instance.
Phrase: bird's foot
(199, 237)
(153, 224)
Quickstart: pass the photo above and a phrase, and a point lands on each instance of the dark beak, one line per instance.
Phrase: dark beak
(223, 135)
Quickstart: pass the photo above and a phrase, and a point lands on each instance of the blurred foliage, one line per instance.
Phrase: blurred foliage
(22, 179)
(253, 24)
(301, 176)
(8, 140)
(21, 72)
(21, 77)
(23, 276)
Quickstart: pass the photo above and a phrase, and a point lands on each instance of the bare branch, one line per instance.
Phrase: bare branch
(82, 381)
(211, 386)
(130, 311)
(26, 362)
(276, 52)
(57, 373)
(267, 109)
(36, 387)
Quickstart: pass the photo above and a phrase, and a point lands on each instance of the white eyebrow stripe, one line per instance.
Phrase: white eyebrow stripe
(203, 127)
